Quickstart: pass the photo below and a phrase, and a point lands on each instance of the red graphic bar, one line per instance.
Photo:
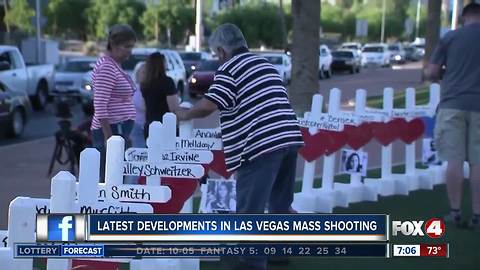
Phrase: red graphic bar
(434, 250)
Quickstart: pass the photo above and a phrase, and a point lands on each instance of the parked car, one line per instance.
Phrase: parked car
(325, 62)
(36, 81)
(14, 110)
(174, 65)
(345, 59)
(282, 63)
(68, 76)
(192, 60)
(202, 78)
(375, 54)
(420, 49)
(352, 46)
(412, 53)
(397, 53)
(419, 43)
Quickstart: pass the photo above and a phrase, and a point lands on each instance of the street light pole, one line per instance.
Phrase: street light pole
(198, 26)
(382, 38)
(38, 28)
(454, 23)
(417, 25)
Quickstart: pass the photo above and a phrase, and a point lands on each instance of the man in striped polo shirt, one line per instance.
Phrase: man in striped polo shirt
(260, 131)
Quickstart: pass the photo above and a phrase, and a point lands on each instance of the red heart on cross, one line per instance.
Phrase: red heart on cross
(335, 141)
(386, 133)
(358, 136)
(321, 143)
(182, 190)
(413, 131)
(314, 146)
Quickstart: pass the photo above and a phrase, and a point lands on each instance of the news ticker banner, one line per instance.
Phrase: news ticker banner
(212, 228)
(200, 250)
(107, 250)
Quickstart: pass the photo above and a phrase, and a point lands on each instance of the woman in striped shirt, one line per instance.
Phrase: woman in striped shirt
(113, 89)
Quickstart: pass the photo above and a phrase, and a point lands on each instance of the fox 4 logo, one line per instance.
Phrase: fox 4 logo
(434, 228)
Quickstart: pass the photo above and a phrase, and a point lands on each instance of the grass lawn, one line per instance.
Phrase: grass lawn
(421, 98)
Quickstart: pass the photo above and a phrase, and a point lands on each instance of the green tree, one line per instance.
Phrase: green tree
(341, 17)
(102, 14)
(338, 20)
(66, 17)
(19, 15)
(259, 22)
(396, 13)
(176, 17)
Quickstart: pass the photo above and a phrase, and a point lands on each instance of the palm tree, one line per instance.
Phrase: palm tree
(433, 29)
(305, 53)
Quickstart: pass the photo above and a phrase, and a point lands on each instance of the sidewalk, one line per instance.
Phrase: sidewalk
(24, 172)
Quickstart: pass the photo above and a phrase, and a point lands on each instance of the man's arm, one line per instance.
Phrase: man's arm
(433, 72)
(220, 96)
(202, 108)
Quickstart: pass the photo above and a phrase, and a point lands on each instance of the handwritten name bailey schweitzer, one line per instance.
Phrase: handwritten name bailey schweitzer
(151, 169)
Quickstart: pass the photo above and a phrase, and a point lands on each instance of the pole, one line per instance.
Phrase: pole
(157, 30)
(284, 27)
(37, 23)
(454, 22)
(417, 25)
(198, 26)
(382, 38)
(5, 7)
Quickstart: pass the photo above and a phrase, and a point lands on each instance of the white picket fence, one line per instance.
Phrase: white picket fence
(332, 194)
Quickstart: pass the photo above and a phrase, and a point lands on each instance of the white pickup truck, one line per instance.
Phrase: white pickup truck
(36, 81)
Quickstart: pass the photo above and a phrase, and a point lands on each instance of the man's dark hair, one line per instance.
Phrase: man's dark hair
(472, 9)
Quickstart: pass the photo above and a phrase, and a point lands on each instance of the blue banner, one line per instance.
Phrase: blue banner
(237, 227)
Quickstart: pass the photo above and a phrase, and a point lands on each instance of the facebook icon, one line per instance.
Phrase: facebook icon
(61, 228)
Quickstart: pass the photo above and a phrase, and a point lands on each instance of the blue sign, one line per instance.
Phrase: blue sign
(237, 227)
(61, 228)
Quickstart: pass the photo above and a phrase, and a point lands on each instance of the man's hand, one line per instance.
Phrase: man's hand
(202, 108)
(433, 72)
(182, 114)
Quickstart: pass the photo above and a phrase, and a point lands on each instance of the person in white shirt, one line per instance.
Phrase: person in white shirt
(137, 137)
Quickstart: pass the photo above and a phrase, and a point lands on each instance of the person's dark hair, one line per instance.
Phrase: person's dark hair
(348, 165)
(154, 68)
(120, 34)
(472, 9)
(227, 197)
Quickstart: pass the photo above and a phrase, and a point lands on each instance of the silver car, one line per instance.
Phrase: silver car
(69, 75)
(15, 110)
